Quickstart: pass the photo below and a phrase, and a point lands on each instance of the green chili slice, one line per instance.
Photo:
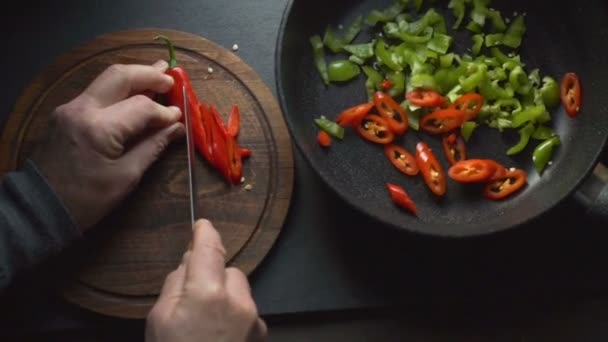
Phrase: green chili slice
(524, 138)
(342, 70)
(544, 152)
(330, 127)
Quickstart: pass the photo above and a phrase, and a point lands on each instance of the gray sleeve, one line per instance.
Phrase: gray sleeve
(34, 224)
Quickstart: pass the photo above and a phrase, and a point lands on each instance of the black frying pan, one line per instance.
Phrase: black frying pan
(561, 37)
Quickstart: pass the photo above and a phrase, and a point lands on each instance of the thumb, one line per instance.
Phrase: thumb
(147, 151)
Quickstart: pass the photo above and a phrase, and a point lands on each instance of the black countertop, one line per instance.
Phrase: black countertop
(328, 257)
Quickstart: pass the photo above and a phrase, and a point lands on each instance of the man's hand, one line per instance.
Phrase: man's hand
(102, 141)
(202, 300)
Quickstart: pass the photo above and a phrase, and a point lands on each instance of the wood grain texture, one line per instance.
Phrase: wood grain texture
(127, 257)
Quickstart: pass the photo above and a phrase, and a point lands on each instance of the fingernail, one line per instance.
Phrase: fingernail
(161, 65)
(177, 132)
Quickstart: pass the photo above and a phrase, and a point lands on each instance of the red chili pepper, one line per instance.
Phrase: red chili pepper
(401, 198)
(454, 148)
(375, 129)
(470, 104)
(214, 140)
(571, 94)
(392, 112)
(175, 97)
(425, 98)
(502, 188)
(472, 171)
(354, 114)
(443, 121)
(386, 84)
(401, 159)
(431, 169)
(323, 139)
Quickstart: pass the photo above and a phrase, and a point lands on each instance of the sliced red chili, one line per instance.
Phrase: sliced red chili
(571, 94)
(401, 198)
(500, 189)
(401, 159)
(472, 171)
(386, 84)
(234, 122)
(324, 139)
(470, 104)
(375, 129)
(442, 121)
(501, 171)
(390, 110)
(245, 152)
(221, 160)
(354, 114)
(454, 148)
(425, 98)
(431, 170)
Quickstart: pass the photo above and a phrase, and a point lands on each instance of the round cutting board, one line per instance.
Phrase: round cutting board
(123, 265)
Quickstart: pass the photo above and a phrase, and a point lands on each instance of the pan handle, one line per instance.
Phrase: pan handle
(593, 193)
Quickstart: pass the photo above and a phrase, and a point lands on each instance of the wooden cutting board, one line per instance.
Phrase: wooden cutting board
(123, 266)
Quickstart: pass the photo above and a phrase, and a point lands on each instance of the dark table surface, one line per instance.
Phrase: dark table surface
(328, 257)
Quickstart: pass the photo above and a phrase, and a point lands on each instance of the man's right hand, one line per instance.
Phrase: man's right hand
(204, 301)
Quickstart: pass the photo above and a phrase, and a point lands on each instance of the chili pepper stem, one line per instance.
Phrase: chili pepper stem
(172, 59)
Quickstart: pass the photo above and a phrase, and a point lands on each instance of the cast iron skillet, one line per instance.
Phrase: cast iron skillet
(561, 37)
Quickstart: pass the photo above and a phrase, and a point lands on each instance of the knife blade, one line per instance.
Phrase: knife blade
(191, 156)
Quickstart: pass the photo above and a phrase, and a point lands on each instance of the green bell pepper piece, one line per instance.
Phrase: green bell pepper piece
(356, 60)
(478, 40)
(374, 76)
(543, 153)
(332, 41)
(342, 70)
(363, 51)
(524, 138)
(467, 129)
(459, 9)
(352, 31)
(543, 133)
(514, 34)
(550, 92)
(387, 58)
(534, 77)
(494, 39)
(496, 19)
(385, 15)
(502, 58)
(319, 57)
(330, 127)
(412, 115)
(440, 43)
(397, 78)
(474, 27)
(529, 114)
(469, 83)
(497, 74)
(519, 81)
(491, 90)
(392, 30)
(446, 61)
(423, 81)
(370, 89)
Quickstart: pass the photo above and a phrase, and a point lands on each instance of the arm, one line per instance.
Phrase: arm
(34, 224)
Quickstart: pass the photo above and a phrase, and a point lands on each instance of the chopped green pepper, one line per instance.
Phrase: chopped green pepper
(502, 58)
(352, 31)
(386, 15)
(467, 129)
(332, 41)
(440, 43)
(446, 61)
(550, 92)
(412, 115)
(524, 138)
(330, 127)
(458, 6)
(543, 133)
(519, 81)
(496, 19)
(423, 81)
(528, 114)
(397, 78)
(477, 44)
(392, 30)
(514, 34)
(363, 51)
(543, 152)
(374, 76)
(494, 39)
(319, 57)
(342, 70)
(386, 57)
(474, 27)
